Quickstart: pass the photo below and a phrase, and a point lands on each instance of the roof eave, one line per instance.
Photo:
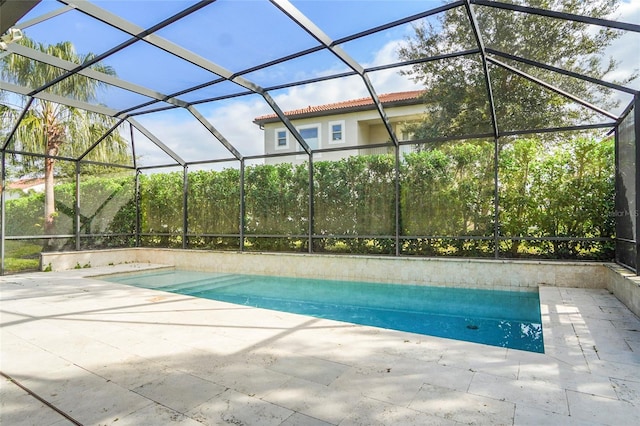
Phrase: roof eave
(344, 110)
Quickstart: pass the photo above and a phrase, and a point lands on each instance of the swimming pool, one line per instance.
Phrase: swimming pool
(498, 318)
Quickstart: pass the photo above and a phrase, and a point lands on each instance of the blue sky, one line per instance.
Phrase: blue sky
(262, 35)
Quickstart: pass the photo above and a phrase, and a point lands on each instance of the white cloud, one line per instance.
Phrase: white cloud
(343, 89)
(628, 11)
(625, 49)
(390, 80)
(182, 134)
(234, 118)
(234, 121)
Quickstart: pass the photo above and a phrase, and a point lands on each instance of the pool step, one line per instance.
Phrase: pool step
(148, 281)
(190, 287)
(211, 286)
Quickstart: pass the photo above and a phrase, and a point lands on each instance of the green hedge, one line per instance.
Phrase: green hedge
(550, 189)
(107, 206)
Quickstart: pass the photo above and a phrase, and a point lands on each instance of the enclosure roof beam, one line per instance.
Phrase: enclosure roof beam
(17, 124)
(139, 33)
(312, 29)
(425, 60)
(217, 160)
(156, 141)
(449, 139)
(129, 112)
(214, 132)
(508, 133)
(39, 155)
(353, 37)
(560, 15)
(608, 125)
(197, 115)
(71, 67)
(352, 73)
(44, 17)
(91, 73)
(312, 80)
(485, 66)
(279, 60)
(103, 137)
(563, 71)
(553, 88)
(198, 87)
(628, 109)
(305, 23)
(199, 101)
(173, 49)
(26, 91)
(402, 21)
(79, 4)
(223, 97)
(149, 111)
(98, 163)
(287, 123)
(380, 108)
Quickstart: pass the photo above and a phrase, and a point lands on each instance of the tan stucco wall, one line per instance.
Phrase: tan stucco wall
(625, 285)
(355, 123)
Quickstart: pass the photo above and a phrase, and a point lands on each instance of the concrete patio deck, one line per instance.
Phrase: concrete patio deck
(105, 353)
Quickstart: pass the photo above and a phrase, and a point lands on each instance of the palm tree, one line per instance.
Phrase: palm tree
(59, 130)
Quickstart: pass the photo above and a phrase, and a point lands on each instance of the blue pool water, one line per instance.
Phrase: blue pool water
(498, 318)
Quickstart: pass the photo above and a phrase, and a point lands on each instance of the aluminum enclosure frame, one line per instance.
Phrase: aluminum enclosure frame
(220, 74)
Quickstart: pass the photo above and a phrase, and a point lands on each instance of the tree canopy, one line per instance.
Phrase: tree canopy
(456, 95)
(57, 130)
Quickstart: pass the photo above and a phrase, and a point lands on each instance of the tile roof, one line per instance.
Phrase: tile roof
(25, 184)
(386, 98)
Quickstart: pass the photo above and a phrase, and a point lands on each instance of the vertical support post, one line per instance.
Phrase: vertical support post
(242, 205)
(494, 119)
(616, 182)
(397, 189)
(485, 66)
(133, 148)
(137, 199)
(77, 207)
(636, 131)
(185, 205)
(2, 213)
(311, 206)
(137, 186)
(496, 197)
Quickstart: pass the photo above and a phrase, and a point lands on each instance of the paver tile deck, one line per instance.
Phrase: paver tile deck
(103, 353)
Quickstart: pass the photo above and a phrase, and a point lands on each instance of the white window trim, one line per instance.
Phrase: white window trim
(330, 138)
(286, 136)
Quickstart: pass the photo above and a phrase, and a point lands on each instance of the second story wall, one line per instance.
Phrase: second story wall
(353, 129)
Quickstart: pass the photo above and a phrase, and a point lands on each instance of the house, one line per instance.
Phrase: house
(18, 188)
(354, 123)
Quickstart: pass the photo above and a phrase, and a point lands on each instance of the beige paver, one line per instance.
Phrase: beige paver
(18, 408)
(107, 353)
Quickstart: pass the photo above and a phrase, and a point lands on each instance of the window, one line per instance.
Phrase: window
(311, 135)
(282, 141)
(336, 131)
